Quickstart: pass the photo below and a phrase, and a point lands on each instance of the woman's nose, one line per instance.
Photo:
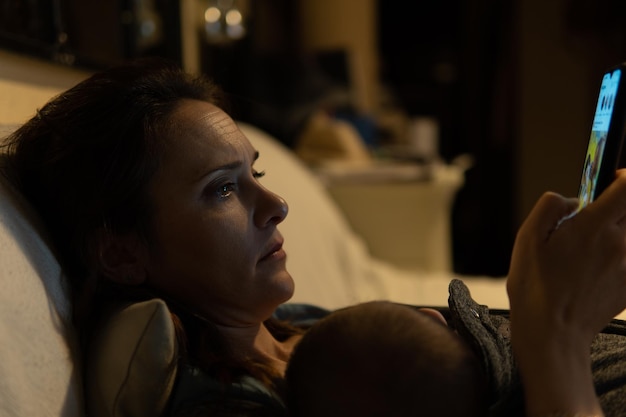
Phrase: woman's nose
(271, 209)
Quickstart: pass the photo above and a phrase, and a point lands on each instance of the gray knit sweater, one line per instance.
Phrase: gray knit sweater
(488, 333)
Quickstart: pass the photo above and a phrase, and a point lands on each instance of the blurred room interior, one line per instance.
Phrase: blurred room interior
(509, 84)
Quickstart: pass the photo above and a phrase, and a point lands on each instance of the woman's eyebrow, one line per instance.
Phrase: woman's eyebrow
(226, 167)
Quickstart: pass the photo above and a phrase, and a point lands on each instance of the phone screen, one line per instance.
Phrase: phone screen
(598, 138)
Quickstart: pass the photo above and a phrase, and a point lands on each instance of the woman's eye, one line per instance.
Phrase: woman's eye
(258, 174)
(224, 191)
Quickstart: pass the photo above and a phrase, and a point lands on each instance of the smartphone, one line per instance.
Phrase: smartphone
(604, 150)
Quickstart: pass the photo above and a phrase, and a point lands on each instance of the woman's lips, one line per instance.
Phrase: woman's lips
(275, 253)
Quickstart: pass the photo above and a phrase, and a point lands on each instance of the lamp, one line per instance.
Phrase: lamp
(224, 21)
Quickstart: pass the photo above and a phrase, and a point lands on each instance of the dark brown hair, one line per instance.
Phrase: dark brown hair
(85, 160)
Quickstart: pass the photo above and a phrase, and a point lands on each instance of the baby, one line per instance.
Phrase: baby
(384, 359)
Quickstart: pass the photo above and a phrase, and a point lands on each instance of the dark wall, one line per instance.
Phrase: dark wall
(455, 60)
(91, 33)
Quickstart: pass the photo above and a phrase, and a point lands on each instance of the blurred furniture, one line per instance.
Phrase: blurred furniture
(403, 213)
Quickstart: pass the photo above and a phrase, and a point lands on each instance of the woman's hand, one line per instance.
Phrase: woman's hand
(573, 274)
(566, 282)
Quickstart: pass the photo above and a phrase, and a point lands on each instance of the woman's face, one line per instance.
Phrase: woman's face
(217, 250)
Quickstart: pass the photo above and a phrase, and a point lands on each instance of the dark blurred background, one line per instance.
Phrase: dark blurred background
(511, 83)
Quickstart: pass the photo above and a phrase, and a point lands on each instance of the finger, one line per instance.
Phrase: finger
(547, 213)
(611, 204)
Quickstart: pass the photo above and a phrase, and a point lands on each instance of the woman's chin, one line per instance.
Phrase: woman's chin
(287, 286)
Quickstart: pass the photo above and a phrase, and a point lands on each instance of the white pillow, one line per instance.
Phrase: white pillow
(40, 374)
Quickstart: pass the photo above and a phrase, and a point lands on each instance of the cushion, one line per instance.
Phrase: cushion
(39, 373)
(132, 368)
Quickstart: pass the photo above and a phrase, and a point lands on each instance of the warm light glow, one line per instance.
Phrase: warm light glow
(224, 21)
(233, 17)
(212, 15)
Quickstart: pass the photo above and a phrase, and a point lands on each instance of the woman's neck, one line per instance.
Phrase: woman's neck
(257, 343)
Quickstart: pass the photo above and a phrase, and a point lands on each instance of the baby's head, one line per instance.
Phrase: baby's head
(381, 358)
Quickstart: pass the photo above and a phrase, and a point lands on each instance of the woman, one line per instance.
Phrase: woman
(149, 190)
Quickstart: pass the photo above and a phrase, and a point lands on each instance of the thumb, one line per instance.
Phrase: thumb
(611, 204)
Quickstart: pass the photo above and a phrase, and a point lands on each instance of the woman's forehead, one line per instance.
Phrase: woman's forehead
(201, 135)
(202, 118)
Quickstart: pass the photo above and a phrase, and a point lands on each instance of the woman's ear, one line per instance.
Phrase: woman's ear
(122, 258)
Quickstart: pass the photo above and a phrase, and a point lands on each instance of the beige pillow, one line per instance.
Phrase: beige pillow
(132, 367)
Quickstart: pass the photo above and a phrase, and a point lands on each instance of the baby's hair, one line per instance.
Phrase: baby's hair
(381, 358)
